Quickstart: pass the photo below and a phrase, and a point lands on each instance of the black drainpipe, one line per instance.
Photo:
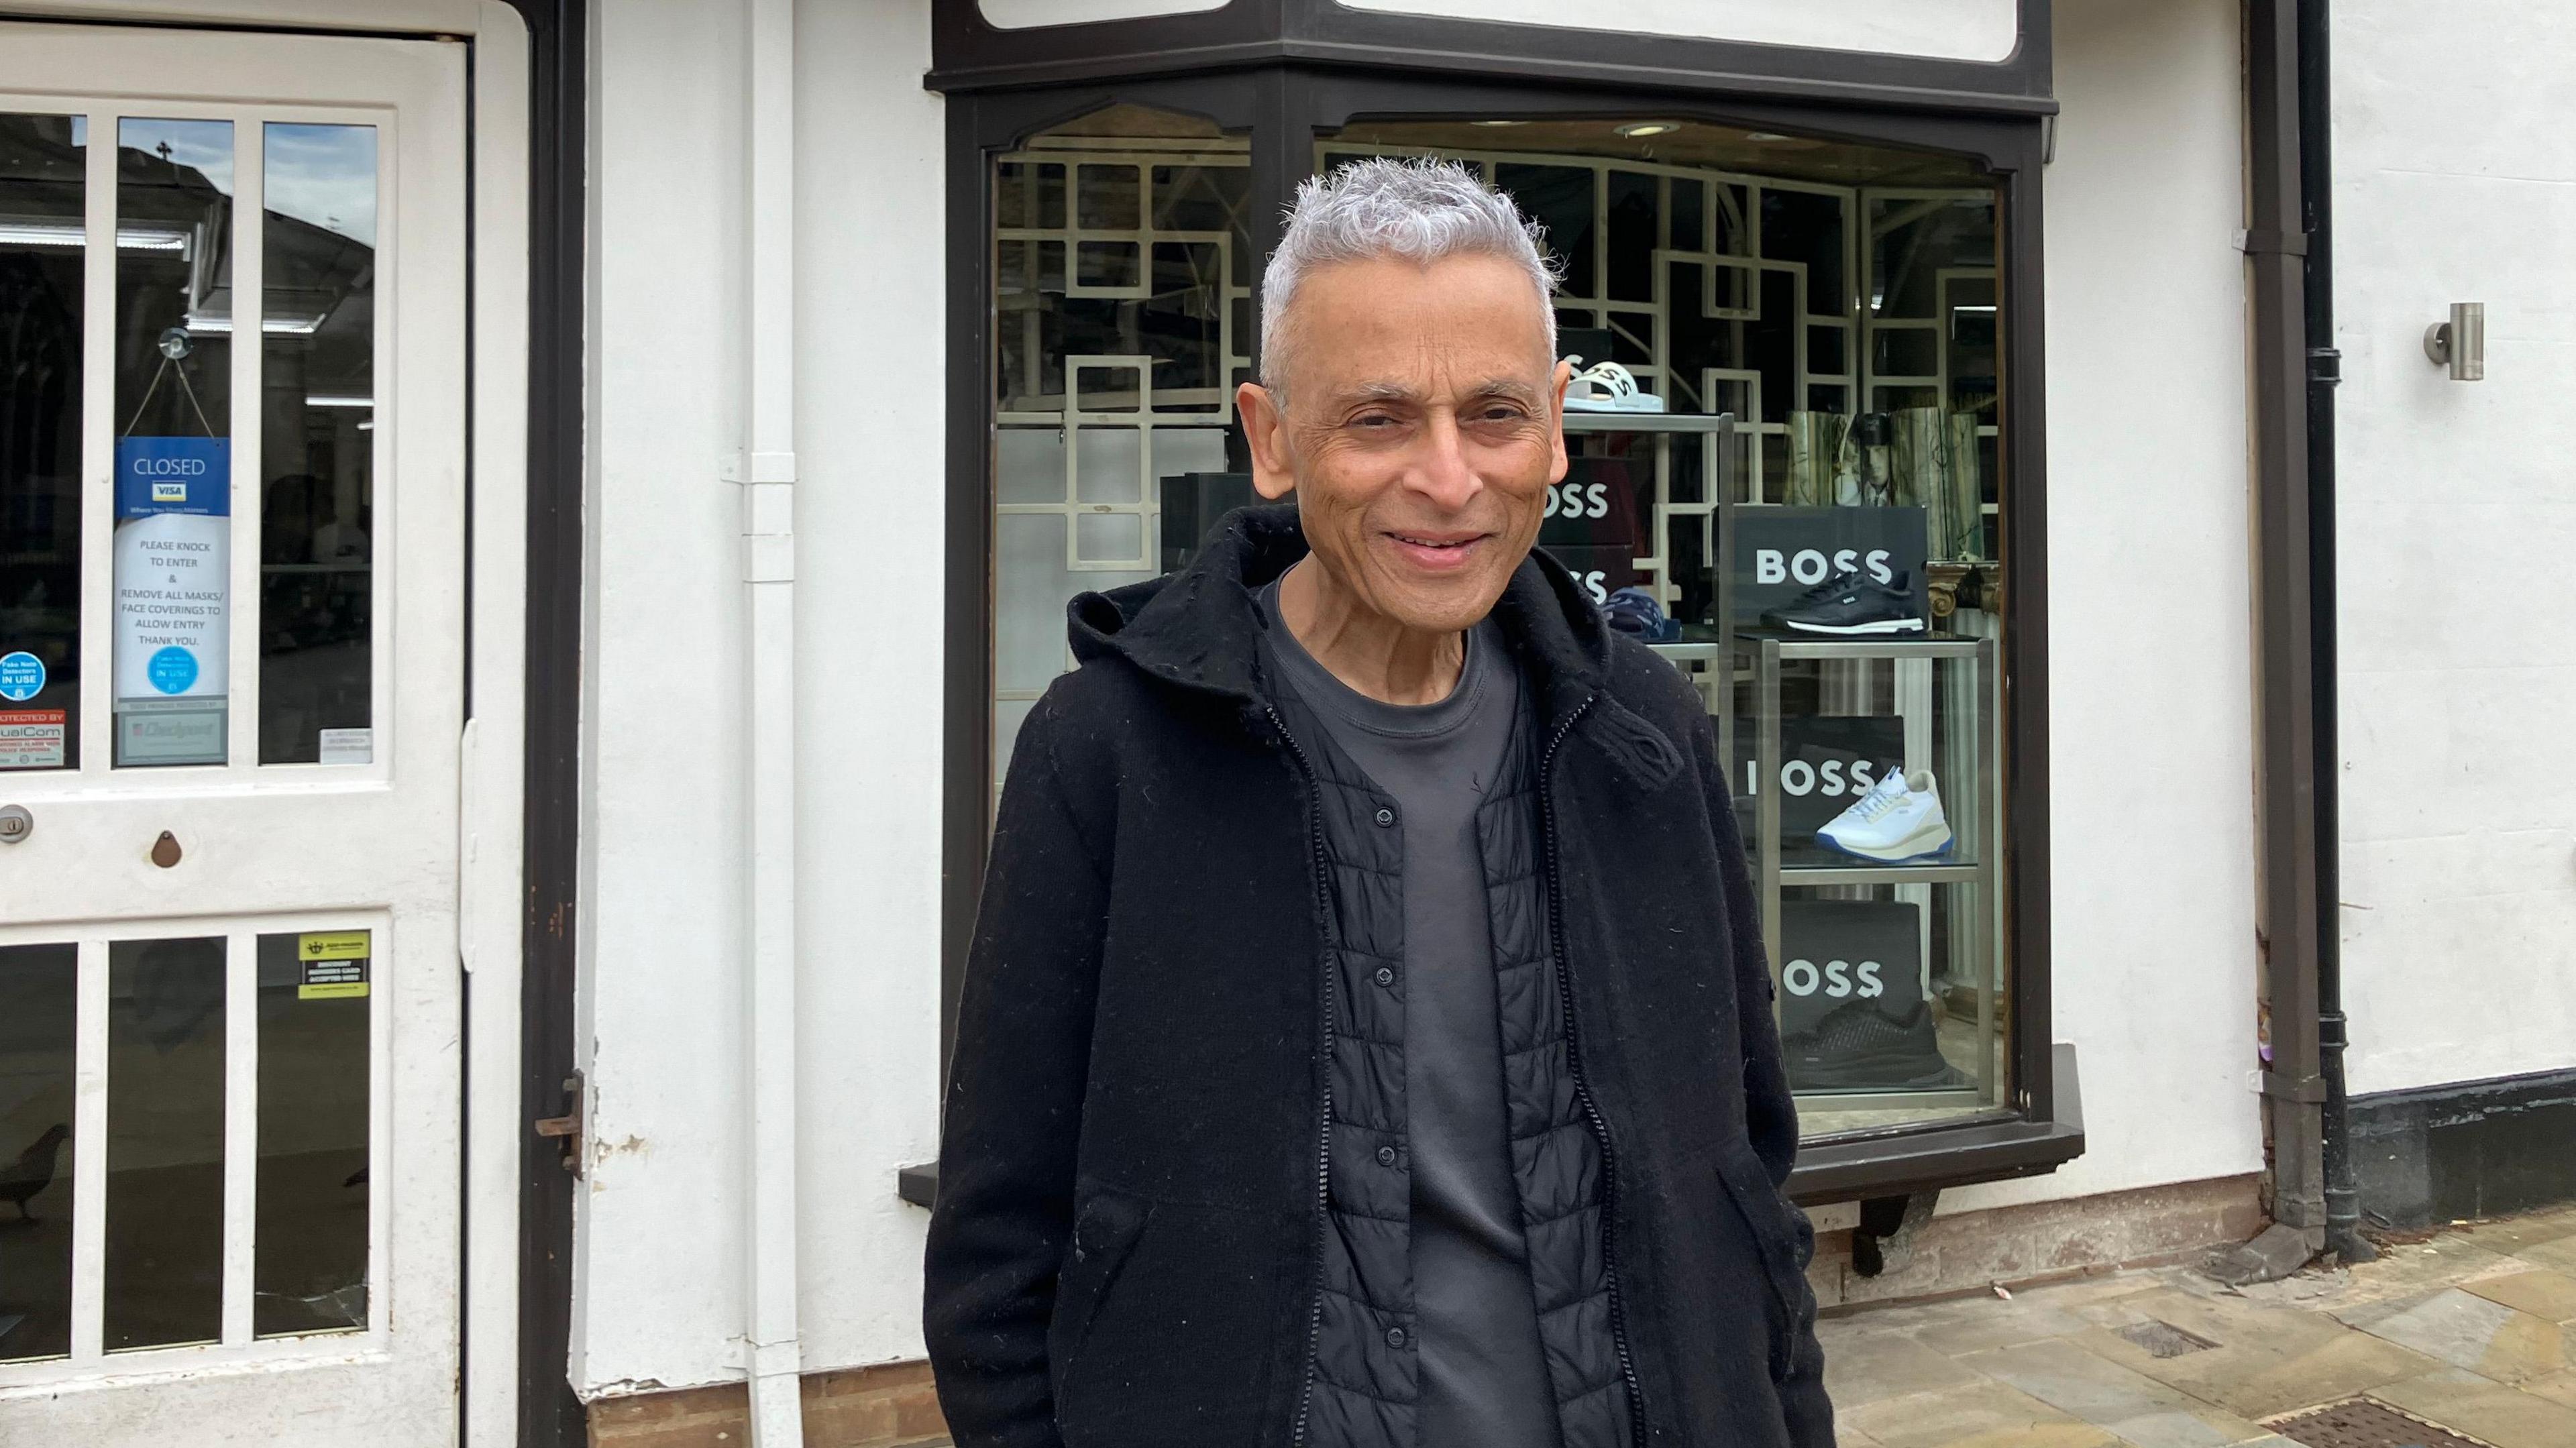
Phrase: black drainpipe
(2325, 370)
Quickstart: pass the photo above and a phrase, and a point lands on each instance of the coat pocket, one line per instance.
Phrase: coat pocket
(1785, 1240)
(1105, 1229)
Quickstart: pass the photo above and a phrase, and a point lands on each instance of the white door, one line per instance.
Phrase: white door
(232, 579)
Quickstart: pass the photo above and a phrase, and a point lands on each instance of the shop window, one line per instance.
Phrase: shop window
(1840, 302)
(1818, 325)
(1122, 322)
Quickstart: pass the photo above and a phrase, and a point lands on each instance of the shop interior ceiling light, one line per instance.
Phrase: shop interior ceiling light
(1640, 130)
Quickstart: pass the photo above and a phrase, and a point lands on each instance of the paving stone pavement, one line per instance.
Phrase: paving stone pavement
(2474, 1330)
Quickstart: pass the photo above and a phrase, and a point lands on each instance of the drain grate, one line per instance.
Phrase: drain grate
(2163, 1339)
(2361, 1423)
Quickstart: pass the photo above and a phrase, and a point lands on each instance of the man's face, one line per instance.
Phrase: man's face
(1420, 434)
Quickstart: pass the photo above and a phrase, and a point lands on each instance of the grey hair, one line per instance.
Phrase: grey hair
(1422, 209)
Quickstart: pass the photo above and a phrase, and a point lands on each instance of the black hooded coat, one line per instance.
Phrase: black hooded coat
(1158, 1222)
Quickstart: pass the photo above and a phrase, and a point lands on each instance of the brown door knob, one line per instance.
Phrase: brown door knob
(165, 850)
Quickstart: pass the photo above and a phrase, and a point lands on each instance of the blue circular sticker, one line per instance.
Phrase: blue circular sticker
(172, 670)
(22, 677)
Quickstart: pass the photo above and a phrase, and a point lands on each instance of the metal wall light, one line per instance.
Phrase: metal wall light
(2460, 343)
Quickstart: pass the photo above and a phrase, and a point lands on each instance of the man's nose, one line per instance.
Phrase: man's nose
(1441, 473)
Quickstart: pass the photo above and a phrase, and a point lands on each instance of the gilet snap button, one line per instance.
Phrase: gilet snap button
(1386, 817)
(1386, 1156)
(1395, 1337)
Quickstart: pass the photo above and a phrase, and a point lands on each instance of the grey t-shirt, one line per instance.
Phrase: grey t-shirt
(1484, 1380)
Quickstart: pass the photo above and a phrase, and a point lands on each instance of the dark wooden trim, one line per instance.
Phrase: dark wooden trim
(2466, 1150)
(1850, 1169)
(1286, 108)
(969, 54)
(2290, 906)
(549, 1414)
(2023, 529)
(966, 689)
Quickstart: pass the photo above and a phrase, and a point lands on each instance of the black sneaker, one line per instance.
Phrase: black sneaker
(1854, 603)
(1858, 1047)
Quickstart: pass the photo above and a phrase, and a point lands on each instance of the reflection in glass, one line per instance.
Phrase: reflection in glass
(165, 1142)
(1122, 319)
(37, 984)
(310, 1258)
(173, 460)
(317, 450)
(42, 186)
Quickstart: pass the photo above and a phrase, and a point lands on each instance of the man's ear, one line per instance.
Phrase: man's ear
(1557, 464)
(1265, 434)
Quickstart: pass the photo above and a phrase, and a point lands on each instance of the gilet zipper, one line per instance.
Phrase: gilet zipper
(1321, 865)
(1582, 1087)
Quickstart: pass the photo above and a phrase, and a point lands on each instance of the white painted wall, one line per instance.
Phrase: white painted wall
(2150, 670)
(659, 1247)
(1978, 30)
(2455, 180)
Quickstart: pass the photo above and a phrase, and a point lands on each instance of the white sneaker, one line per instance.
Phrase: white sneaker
(1607, 387)
(1899, 820)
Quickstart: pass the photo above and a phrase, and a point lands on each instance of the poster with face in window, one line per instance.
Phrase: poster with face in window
(173, 598)
(1589, 524)
(1852, 1011)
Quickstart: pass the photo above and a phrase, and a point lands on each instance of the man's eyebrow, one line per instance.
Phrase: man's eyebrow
(1360, 392)
(1508, 387)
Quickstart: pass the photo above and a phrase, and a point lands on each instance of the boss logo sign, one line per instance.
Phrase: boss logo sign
(1778, 553)
(1825, 763)
(1578, 500)
(1835, 979)
(1833, 778)
(1812, 566)
(1848, 955)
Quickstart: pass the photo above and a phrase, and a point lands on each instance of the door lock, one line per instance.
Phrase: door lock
(15, 824)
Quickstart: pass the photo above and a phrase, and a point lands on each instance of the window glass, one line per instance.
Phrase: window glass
(309, 1257)
(1122, 288)
(1842, 303)
(165, 1142)
(174, 429)
(317, 447)
(37, 1014)
(43, 192)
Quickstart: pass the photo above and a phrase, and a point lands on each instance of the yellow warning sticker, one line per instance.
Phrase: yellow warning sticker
(334, 965)
(337, 945)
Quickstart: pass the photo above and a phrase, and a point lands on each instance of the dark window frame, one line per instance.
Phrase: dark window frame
(1285, 108)
(969, 53)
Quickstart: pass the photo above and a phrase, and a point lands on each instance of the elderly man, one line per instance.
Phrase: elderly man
(1366, 1041)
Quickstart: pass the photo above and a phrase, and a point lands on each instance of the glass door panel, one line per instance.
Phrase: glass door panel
(36, 1083)
(43, 211)
(174, 438)
(317, 452)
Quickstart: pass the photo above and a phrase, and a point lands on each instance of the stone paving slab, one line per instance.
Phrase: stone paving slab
(2474, 1329)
